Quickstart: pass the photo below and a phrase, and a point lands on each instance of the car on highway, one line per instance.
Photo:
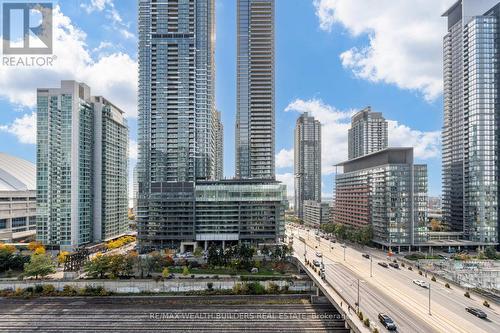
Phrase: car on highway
(383, 264)
(387, 322)
(394, 265)
(319, 254)
(421, 283)
(366, 255)
(476, 312)
(316, 263)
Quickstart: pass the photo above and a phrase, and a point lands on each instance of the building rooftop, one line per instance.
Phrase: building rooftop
(16, 174)
(393, 155)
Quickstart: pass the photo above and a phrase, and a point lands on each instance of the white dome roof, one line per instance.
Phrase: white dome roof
(16, 174)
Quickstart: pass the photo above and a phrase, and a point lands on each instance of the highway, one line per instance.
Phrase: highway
(392, 291)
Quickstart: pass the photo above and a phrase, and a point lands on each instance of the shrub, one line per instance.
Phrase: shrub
(410, 268)
(467, 294)
(273, 288)
(486, 304)
(420, 273)
(185, 271)
(95, 291)
(210, 286)
(49, 290)
(69, 291)
(375, 330)
(237, 288)
(447, 285)
(38, 289)
(255, 288)
(403, 264)
(18, 292)
(366, 322)
(433, 279)
(360, 315)
(165, 273)
(285, 288)
(29, 290)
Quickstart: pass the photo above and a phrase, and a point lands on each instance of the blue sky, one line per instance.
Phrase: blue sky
(332, 57)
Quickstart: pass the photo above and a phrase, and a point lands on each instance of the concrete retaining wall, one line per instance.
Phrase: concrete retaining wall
(138, 286)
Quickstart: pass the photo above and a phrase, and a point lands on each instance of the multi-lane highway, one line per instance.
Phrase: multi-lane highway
(391, 291)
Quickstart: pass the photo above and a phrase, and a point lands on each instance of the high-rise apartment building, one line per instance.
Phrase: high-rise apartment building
(82, 158)
(387, 191)
(176, 115)
(368, 133)
(307, 162)
(255, 120)
(471, 116)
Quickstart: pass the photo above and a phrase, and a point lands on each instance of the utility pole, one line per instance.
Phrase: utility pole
(371, 269)
(358, 295)
(344, 252)
(430, 314)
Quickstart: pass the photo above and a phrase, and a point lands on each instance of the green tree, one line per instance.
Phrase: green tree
(198, 252)
(99, 266)
(490, 252)
(185, 271)
(39, 265)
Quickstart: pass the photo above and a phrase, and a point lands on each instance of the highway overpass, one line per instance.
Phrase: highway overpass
(350, 277)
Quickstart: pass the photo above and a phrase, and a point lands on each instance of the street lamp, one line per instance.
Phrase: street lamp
(358, 296)
(371, 269)
(430, 314)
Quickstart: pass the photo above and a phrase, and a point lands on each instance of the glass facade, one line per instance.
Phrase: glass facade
(240, 211)
(255, 120)
(384, 190)
(470, 133)
(76, 167)
(178, 126)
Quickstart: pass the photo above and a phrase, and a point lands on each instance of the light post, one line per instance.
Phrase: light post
(430, 314)
(371, 269)
(358, 296)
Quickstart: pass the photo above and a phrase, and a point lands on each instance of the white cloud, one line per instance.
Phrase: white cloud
(288, 180)
(112, 14)
(132, 150)
(426, 144)
(113, 75)
(96, 5)
(284, 159)
(24, 128)
(334, 129)
(405, 40)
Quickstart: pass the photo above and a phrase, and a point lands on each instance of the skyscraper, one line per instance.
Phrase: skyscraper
(471, 116)
(368, 133)
(255, 90)
(82, 154)
(307, 162)
(176, 115)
